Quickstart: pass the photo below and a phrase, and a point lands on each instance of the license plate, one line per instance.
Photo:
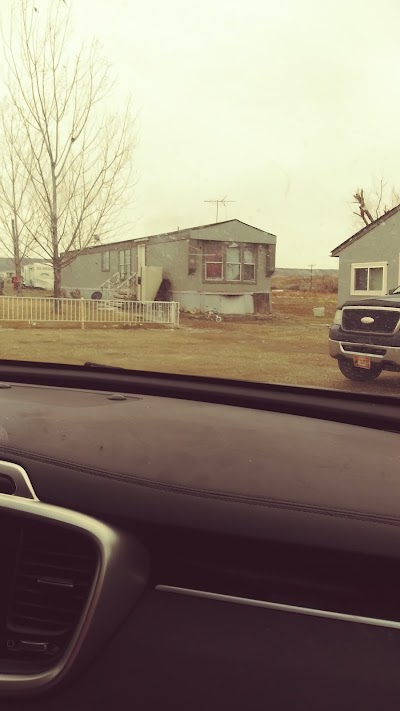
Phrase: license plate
(362, 362)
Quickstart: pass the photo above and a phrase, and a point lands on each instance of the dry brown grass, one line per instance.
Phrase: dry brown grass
(320, 284)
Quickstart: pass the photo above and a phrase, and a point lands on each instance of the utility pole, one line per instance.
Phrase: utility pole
(223, 202)
(311, 274)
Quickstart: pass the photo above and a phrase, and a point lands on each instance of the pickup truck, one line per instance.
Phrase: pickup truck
(365, 336)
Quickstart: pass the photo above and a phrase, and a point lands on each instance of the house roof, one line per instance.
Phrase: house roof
(368, 228)
(265, 237)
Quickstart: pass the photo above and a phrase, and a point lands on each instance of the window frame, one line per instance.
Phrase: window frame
(103, 268)
(124, 263)
(253, 264)
(214, 262)
(233, 264)
(368, 266)
(224, 263)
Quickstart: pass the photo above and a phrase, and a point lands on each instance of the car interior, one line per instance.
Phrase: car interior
(182, 542)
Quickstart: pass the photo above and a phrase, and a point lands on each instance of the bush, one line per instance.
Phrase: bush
(320, 284)
(298, 286)
(327, 285)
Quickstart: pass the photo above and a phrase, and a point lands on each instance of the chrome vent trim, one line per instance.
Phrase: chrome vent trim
(19, 476)
(280, 607)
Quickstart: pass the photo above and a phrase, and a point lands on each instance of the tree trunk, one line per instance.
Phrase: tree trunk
(57, 284)
(57, 277)
(17, 255)
(54, 240)
(18, 274)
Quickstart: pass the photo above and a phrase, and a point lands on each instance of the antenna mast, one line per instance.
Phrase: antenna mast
(223, 202)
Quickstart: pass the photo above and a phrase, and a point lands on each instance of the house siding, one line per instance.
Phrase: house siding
(85, 272)
(381, 244)
(181, 256)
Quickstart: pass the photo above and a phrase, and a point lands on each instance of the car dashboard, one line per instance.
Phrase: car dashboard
(192, 530)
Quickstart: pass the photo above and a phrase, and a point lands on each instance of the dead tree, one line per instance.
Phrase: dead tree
(364, 213)
(380, 199)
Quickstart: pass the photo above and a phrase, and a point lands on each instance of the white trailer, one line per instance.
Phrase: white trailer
(38, 276)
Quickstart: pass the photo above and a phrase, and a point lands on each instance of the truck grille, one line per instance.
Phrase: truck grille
(385, 320)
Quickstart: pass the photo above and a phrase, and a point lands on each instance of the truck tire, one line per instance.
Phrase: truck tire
(359, 374)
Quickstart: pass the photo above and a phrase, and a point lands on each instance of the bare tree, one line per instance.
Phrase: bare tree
(79, 159)
(380, 200)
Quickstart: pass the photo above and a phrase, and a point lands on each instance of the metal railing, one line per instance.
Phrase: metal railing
(87, 311)
(109, 289)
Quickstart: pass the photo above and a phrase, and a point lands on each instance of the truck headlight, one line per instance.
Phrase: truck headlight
(337, 321)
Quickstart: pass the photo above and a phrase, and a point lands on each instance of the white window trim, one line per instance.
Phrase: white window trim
(366, 265)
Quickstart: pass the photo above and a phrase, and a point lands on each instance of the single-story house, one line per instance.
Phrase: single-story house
(369, 261)
(226, 265)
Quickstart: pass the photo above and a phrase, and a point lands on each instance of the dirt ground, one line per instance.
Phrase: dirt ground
(289, 346)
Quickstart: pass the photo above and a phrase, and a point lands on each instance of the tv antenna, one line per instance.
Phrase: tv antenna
(223, 202)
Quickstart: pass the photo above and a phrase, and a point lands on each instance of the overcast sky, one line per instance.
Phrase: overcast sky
(284, 107)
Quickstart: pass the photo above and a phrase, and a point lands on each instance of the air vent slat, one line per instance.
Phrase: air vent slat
(60, 554)
(68, 611)
(41, 616)
(38, 574)
(53, 566)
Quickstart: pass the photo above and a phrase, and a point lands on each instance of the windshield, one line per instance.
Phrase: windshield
(208, 189)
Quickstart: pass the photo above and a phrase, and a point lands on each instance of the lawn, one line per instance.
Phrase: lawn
(289, 346)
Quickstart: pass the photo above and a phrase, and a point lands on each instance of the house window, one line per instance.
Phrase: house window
(213, 262)
(125, 263)
(233, 271)
(249, 264)
(105, 261)
(369, 278)
(229, 262)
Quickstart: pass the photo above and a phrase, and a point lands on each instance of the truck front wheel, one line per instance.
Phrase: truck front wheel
(351, 372)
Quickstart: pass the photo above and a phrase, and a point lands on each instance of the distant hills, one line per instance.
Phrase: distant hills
(305, 272)
(7, 264)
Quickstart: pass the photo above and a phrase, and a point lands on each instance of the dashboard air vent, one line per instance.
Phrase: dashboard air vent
(53, 579)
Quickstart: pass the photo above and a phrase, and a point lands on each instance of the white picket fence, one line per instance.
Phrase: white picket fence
(87, 311)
